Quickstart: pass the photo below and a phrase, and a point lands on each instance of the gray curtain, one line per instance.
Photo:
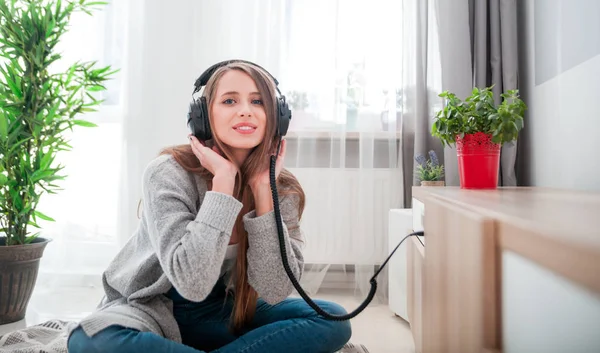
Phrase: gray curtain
(421, 85)
(478, 44)
(493, 34)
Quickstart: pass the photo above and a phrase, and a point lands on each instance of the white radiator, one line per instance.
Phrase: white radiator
(345, 218)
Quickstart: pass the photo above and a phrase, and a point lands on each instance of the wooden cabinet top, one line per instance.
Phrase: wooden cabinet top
(557, 228)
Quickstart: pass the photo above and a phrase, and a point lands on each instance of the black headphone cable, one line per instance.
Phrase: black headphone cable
(288, 270)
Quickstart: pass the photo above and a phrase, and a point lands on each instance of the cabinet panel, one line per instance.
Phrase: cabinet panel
(461, 291)
(415, 261)
(545, 312)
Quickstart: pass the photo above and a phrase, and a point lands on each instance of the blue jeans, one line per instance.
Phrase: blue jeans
(291, 326)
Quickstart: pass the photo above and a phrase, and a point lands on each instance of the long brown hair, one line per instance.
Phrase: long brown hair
(245, 296)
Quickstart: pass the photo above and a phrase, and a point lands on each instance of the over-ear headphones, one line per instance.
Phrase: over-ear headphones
(197, 118)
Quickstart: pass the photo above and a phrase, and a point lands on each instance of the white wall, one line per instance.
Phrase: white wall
(559, 58)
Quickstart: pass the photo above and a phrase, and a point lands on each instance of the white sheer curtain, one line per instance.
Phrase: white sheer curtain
(343, 76)
(365, 84)
(343, 65)
(85, 232)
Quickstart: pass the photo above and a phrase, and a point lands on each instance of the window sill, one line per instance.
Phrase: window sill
(348, 135)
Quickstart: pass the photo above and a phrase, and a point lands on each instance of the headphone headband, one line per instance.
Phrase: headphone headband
(206, 75)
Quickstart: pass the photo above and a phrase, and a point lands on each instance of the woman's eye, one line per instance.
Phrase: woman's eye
(228, 101)
(257, 101)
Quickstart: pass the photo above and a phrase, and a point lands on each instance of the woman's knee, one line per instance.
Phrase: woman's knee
(107, 340)
(80, 342)
(339, 331)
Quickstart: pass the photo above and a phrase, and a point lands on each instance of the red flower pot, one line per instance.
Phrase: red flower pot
(478, 161)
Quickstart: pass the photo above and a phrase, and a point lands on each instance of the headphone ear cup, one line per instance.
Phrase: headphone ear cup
(207, 133)
(192, 118)
(198, 120)
(284, 116)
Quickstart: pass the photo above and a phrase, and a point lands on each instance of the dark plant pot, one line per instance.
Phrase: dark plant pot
(478, 161)
(19, 266)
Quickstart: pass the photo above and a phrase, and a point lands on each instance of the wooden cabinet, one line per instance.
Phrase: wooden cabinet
(471, 236)
(415, 260)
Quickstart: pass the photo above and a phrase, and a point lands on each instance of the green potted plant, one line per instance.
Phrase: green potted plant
(37, 107)
(429, 171)
(478, 127)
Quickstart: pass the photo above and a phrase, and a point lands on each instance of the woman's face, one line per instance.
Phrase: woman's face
(238, 115)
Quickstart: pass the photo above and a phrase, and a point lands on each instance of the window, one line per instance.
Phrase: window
(343, 66)
(98, 38)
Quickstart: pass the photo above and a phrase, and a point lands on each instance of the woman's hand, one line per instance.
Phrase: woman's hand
(224, 172)
(261, 179)
(260, 183)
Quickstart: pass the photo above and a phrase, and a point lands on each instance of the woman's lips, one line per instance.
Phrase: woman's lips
(245, 128)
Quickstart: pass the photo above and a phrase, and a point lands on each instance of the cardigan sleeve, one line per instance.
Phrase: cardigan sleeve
(266, 273)
(190, 245)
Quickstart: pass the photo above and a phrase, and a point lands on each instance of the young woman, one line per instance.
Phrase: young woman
(203, 271)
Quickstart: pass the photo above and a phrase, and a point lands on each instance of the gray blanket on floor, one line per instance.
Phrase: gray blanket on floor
(51, 337)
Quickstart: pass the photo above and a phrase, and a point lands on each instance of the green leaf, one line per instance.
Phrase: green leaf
(37, 129)
(43, 216)
(16, 200)
(31, 238)
(58, 7)
(100, 71)
(47, 160)
(12, 84)
(41, 174)
(97, 3)
(3, 179)
(514, 125)
(50, 27)
(17, 145)
(84, 123)
(111, 72)
(3, 126)
(96, 88)
(51, 114)
(519, 122)
(70, 74)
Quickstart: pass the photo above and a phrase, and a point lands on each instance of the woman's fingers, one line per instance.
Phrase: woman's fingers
(198, 149)
(211, 158)
(195, 142)
(195, 148)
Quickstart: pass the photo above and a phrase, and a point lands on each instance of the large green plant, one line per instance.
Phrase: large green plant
(479, 113)
(38, 107)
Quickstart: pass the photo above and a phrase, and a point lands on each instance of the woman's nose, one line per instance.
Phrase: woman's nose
(245, 110)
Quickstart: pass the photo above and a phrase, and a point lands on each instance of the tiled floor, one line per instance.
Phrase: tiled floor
(376, 327)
